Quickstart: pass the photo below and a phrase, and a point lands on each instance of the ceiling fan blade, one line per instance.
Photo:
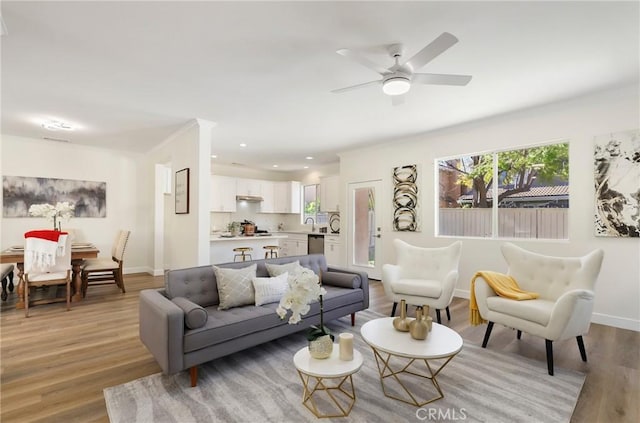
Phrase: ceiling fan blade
(355, 87)
(363, 61)
(431, 51)
(397, 100)
(440, 79)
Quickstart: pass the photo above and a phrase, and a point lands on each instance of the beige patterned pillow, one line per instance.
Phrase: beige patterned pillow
(294, 268)
(235, 286)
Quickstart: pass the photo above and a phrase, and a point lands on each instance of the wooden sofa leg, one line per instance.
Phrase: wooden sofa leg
(438, 318)
(393, 310)
(519, 334)
(193, 372)
(487, 334)
(353, 319)
(583, 352)
(448, 314)
(549, 345)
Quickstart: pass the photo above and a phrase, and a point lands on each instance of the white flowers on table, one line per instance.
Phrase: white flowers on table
(304, 287)
(62, 210)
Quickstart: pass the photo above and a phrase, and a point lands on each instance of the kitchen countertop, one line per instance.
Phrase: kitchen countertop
(307, 233)
(248, 238)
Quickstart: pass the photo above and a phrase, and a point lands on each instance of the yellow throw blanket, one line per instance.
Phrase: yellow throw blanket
(504, 285)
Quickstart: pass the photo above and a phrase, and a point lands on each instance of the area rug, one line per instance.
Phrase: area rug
(262, 385)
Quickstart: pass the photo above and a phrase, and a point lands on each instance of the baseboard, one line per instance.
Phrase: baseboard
(141, 269)
(615, 321)
(599, 318)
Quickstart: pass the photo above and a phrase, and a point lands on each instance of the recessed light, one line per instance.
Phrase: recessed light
(56, 125)
(306, 167)
(213, 156)
(275, 165)
(309, 158)
(243, 145)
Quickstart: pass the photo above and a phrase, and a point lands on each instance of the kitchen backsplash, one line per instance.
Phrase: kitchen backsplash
(250, 211)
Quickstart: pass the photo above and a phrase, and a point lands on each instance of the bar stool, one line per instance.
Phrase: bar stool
(271, 251)
(244, 253)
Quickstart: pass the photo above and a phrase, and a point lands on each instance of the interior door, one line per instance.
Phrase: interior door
(364, 228)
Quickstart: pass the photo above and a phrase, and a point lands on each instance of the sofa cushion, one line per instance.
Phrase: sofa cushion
(194, 315)
(344, 280)
(235, 286)
(270, 290)
(195, 284)
(538, 310)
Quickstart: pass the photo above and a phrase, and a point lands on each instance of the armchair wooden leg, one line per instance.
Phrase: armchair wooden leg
(393, 310)
(193, 372)
(519, 335)
(487, 334)
(549, 345)
(353, 319)
(583, 352)
(438, 316)
(448, 314)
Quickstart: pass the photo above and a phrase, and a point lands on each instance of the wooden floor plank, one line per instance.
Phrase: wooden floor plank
(55, 364)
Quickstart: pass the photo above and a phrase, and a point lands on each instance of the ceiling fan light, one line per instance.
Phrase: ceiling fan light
(396, 86)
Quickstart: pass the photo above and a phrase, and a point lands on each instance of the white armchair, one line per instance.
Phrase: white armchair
(563, 309)
(422, 276)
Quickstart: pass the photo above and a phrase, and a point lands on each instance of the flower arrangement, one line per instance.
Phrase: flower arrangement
(304, 287)
(62, 210)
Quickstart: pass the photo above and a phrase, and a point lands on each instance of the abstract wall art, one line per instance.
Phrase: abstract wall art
(21, 192)
(617, 184)
(406, 199)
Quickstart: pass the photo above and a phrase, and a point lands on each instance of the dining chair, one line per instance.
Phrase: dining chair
(102, 271)
(46, 263)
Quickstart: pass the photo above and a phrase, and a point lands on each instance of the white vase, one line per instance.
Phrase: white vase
(321, 347)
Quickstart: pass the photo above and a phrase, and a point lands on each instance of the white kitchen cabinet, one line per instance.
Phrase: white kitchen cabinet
(330, 193)
(294, 245)
(251, 187)
(223, 194)
(286, 197)
(332, 250)
(268, 204)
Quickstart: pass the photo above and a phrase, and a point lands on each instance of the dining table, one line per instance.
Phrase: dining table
(79, 252)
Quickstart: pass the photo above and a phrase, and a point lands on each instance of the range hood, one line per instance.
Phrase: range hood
(249, 198)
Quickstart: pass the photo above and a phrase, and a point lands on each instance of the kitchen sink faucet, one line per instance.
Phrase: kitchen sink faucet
(313, 223)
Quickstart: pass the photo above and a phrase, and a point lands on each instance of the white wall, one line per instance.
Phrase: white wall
(126, 184)
(617, 300)
(186, 236)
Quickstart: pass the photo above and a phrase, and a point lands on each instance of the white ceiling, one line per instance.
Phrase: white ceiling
(129, 74)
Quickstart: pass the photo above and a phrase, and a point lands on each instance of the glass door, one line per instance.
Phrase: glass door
(364, 227)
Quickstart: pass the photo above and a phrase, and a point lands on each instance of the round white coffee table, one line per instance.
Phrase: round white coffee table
(393, 348)
(318, 377)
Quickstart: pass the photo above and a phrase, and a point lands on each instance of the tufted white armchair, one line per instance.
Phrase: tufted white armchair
(563, 309)
(422, 276)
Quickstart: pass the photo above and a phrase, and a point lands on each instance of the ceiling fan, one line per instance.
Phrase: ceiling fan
(396, 80)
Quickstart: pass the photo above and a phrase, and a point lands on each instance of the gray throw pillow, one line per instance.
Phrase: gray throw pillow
(235, 286)
(194, 316)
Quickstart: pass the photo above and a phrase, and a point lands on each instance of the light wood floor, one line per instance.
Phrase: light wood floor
(55, 364)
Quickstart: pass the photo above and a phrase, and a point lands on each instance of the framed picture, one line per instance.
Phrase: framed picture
(182, 191)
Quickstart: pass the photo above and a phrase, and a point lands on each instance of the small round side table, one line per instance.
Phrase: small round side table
(330, 377)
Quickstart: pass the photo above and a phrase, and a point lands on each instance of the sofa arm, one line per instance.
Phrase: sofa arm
(363, 279)
(571, 315)
(162, 330)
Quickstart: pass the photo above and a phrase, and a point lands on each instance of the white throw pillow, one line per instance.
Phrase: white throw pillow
(293, 269)
(235, 287)
(270, 290)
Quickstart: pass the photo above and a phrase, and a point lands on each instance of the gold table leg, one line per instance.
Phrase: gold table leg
(344, 389)
(386, 371)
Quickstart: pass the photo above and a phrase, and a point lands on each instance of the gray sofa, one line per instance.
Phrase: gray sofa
(176, 347)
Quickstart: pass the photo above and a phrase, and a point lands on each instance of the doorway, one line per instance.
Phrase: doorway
(364, 228)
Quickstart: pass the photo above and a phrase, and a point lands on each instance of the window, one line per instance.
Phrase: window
(311, 205)
(532, 192)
